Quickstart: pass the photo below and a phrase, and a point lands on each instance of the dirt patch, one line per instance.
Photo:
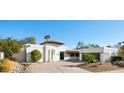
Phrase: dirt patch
(97, 67)
(26, 67)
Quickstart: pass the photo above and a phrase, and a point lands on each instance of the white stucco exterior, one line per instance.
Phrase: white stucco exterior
(52, 52)
(49, 52)
(105, 53)
(29, 48)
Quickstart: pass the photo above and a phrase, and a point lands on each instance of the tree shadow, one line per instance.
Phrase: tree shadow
(94, 66)
(76, 61)
(120, 65)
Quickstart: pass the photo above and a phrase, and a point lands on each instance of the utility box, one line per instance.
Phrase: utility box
(1, 55)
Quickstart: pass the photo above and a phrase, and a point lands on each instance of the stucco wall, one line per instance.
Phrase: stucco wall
(55, 56)
(92, 50)
(49, 53)
(108, 53)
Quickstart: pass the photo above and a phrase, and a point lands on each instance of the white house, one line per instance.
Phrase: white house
(50, 50)
(55, 51)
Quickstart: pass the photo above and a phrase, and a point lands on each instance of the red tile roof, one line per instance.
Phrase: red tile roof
(52, 42)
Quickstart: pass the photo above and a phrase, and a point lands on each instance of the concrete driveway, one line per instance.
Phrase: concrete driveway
(57, 67)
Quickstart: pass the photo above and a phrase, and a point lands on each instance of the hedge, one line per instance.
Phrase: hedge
(36, 55)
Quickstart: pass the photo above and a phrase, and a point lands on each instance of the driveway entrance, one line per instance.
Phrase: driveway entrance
(57, 67)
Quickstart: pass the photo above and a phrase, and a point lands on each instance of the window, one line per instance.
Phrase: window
(76, 54)
(71, 54)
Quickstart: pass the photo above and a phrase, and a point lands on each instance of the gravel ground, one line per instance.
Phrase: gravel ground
(96, 67)
(19, 67)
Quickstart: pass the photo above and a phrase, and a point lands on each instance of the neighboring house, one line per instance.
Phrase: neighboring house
(55, 51)
(102, 54)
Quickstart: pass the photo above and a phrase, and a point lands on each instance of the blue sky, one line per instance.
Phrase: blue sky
(67, 31)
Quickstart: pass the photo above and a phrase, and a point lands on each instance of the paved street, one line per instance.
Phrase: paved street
(115, 71)
(57, 67)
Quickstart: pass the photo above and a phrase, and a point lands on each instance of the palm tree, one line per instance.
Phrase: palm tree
(109, 46)
(47, 37)
(119, 43)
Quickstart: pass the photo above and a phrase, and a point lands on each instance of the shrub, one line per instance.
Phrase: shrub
(121, 51)
(89, 57)
(5, 66)
(36, 55)
(10, 46)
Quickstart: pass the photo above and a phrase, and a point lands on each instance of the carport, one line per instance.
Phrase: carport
(98, 52)
(71, 55)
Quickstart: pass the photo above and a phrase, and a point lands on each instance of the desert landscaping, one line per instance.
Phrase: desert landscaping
(51, 57)
(27, 52)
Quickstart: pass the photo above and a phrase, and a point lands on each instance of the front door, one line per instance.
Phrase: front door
(61, 55)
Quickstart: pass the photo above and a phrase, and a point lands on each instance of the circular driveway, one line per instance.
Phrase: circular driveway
(57, 67)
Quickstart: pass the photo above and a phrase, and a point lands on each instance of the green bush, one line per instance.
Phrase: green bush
(36, 55)
(89, 57)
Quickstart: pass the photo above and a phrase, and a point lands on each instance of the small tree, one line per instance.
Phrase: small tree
(10, 46)
(82, 45)
(121, 52)
(28, 40)
(89, 57)
(36, 55)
